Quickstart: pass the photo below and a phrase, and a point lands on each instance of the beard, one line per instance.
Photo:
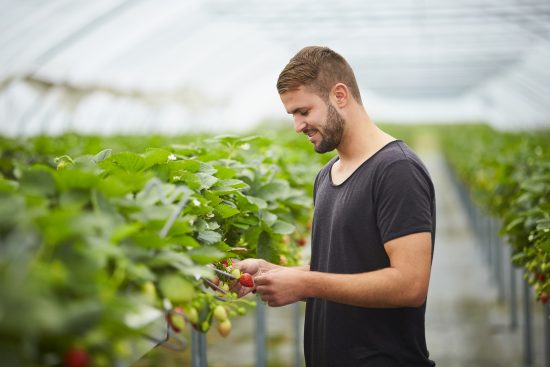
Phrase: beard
(331, 134)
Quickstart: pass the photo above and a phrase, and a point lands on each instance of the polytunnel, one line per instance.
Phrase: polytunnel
(174, 66)
(145, 152)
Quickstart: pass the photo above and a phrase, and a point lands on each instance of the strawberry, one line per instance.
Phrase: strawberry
(193, 315)
(301, 242)
(76, 357)
(224, 328)
(220, 313)
(175, 319)
(236, 273)
(543, 297)
(246, 280)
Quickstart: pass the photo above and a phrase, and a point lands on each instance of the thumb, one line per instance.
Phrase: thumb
(248, 266)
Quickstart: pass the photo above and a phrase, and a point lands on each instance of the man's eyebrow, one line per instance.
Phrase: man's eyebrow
(295, 110)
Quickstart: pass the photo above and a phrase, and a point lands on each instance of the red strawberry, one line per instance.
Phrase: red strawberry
(76, 357)
(246, 280)
(301, 242)
(543, 297)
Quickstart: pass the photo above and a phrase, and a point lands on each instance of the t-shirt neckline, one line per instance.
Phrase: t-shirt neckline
(336, 159)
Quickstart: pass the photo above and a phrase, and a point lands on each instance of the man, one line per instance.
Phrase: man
(373, 228)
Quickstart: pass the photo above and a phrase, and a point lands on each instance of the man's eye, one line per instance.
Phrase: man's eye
(304, 113)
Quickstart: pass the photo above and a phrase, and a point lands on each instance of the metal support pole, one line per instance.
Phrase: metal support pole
(261, 342)
(546, 315)
(527, 327)
(491, 237)
(499, 264)
(296, 322)
(513, 296)
(198, 349)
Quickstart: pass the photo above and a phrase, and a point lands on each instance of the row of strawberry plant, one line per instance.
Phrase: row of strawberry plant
(94, 247)
(508, 175)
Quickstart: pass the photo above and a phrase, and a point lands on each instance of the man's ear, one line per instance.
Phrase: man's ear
(340, 95)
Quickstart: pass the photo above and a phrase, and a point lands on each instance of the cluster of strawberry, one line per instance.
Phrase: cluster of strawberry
(226, 265)
(201, 321)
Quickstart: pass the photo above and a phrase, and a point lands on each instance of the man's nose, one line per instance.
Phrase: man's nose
(299, 124)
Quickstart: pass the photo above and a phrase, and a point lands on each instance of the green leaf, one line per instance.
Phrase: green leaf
(266, 250)
(207, 169)
(268, 217)
(75, 179)
(180, 227)
(125, 231)
(176, 288)
(209, 237)
(8, 185)
(149, 240)
(226, 211)
(38, 180)
(283, 227)
(155, 156)
(101, 156)
(224, 173)
(187, 241)
(205, 255)
(259, 203)
(206, 180)
(114, 186)
(128, 161)
(274, 190)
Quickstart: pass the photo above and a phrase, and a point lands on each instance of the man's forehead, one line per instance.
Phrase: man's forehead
(298, 96)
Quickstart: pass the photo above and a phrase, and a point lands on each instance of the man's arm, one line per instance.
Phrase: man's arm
(403, 284)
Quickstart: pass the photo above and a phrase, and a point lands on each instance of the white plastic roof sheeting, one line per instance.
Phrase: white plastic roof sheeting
(174, 66)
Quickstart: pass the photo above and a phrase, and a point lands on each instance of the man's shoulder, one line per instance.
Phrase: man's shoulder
(397, 151)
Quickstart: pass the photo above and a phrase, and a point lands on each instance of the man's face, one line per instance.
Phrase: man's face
(318, 119)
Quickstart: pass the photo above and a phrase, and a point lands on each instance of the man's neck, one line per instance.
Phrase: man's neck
(361, 139)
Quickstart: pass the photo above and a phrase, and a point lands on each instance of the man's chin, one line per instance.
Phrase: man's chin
(323, 149)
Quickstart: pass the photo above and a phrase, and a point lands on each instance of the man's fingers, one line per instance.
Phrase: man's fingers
(260, 280)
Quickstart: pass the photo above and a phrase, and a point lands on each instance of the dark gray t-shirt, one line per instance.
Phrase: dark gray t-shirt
(390, 195)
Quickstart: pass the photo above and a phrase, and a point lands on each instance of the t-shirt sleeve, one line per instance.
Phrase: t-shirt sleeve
(403, 201)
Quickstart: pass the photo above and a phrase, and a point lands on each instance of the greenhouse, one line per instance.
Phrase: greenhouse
(151, 153)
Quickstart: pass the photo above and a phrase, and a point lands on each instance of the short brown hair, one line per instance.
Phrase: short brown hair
(318, 68)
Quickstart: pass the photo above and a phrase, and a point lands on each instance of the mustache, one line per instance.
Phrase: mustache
(309, 131)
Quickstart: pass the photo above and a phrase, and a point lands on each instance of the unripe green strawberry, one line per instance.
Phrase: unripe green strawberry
(205, 326)
(224, 328)
(241, 311)
(220, 313)
(236, 273)
(149, 291)
(175, 319)
(193, 315)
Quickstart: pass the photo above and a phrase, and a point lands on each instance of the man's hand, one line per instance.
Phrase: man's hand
(254, 267)
(281, 286)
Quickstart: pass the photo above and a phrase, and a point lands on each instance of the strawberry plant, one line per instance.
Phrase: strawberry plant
(508, 175)
(95, 247)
